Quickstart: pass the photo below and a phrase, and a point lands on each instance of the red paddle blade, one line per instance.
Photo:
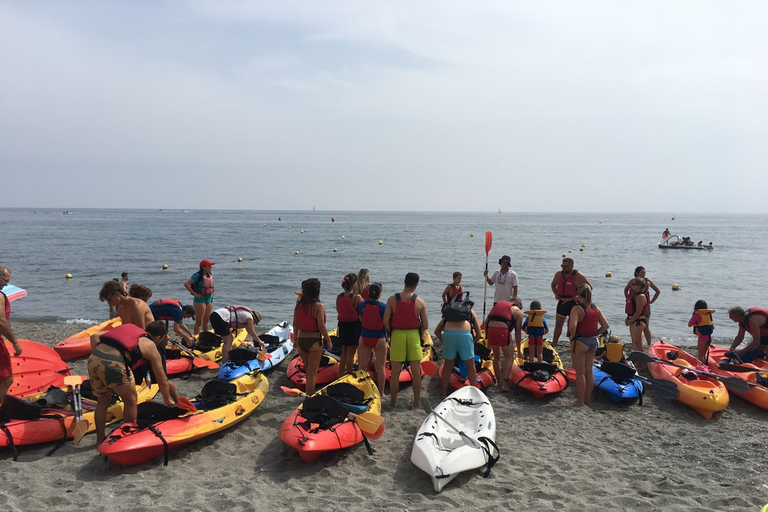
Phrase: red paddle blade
(571, 374)
(429, 368)
(184, 403)
(488, 242)
(375, 435)
(291, 391)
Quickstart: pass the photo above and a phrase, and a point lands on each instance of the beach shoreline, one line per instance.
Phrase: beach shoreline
(658, 456)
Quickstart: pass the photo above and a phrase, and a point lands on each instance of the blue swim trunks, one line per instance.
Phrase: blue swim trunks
(459, 344)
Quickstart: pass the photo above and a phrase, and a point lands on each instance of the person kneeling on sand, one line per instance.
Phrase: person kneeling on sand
(405, 318)
(113, 354)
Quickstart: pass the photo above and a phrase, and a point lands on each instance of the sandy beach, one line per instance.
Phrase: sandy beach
(658, 456)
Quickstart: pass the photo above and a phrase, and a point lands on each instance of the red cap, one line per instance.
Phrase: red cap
(205, 263)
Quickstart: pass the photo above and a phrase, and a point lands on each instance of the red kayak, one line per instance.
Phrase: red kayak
(328, 371)
(36, 369)
(79, 345)
(427, 348)
(540, 379)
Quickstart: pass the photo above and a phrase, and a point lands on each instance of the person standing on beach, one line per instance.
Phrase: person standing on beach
(131, 310)
(232, 318)
(754, 320)
(636, 310)
(200, 285)
(504, 319)
(505, 281)
(113, 355)
(347, 303)
(640, 272)
(309, 330)
(174, 310)
(373, 337)
(564, 286)
(124, 288)
(456, 334)
(454, 288)
(405, 318)
(6, 332)
(586, 322)
(361, 288)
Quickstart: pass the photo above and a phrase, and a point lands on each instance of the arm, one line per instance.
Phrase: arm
(423, 314)
(476, 324)
(388, 315)
(695, 319)
(656, 291)
(738, 339)
(628, 288)
(518, 324)
(583, 280)
(446, 294)
(183, 327)
(489, 280)
(514, 292)
(602, 322)
(553, 285)
(439, 328)
(754, 330)
(638, 309)
(95, 340)
(546, 327)
(7, 332)
(252, 331)
(320, 318)
(188, 284)
(576, 316)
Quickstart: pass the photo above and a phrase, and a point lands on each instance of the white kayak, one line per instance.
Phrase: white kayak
(458, 435)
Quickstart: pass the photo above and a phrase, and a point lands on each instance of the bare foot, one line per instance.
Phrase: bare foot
(394, 404)
(576, 403)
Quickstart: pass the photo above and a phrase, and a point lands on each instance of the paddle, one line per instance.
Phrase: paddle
(733, 383)
(263, 355)
(666, 388)
(81, 425)
(331, 355)
(488, 244)
(195, 358)
(739, 369)
(186, 404)
(429, 367)
(369, 422)
(464, 437)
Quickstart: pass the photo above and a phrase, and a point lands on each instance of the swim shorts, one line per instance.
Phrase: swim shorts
(458, 343)
(405, 345)
(564, 307)
(349, 334)
(535, 341)
(206, 299)
(535, 332)
(588, 341)
(106, 372)
(219, 326)
(497, 336)
(6, 370)
(370, 342)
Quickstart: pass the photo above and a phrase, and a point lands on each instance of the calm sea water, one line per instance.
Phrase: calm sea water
(42, 246)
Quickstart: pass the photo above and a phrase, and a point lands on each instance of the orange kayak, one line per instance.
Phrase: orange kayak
(79, 345)
(757, 394)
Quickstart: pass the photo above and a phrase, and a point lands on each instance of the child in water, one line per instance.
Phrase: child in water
(452, 289)
(702, 324)
(536, 327)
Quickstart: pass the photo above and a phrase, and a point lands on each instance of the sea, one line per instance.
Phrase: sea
(263, 256)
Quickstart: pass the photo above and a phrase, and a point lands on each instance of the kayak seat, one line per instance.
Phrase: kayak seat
(207, 341)
(216, 393)
(149, 413)
(618, 372)
(323, 411)
(270, 340)
(17, 409)
(346, 393)
(241, 356)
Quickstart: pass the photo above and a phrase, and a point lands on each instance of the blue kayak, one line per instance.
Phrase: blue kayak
(243, 360)
(618, 381)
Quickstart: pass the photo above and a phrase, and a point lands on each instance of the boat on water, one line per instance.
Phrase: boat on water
(675, 242)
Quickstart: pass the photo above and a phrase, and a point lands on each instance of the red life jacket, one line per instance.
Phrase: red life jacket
(162, 314)
(589, 324)
(502, 312)
(456, 291)
(204, 284)
(405, 316)
(305, 321)
(744, 323)
(566, 287)
(347, 313)
(125, 338)
(631, 307)
(366, 293)
(235, 321)
(7, 311)
(371, 318)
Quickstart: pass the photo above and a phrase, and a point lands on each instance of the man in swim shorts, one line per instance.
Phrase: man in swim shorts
(405, 318)
(564, 287)
(6, 332)
(458, 342)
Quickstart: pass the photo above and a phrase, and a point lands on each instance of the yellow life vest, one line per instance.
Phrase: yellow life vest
(614, 352)
(535, 317)
(705, 315)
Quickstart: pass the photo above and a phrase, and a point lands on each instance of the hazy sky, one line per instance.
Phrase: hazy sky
(341, 105)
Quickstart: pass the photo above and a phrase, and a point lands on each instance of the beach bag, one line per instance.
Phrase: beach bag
(458, 309)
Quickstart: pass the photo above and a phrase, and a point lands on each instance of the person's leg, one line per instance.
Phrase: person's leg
(311, 365)
(559, 321)
(589, 378)
(509, 360)
(497, 365)
(207, 315)
(445, 375)
(579, 356)
(199, 314)
(5, 385)
(394, 381)
(226, 346)
(416, 372)
(380, 364)
(364, 353)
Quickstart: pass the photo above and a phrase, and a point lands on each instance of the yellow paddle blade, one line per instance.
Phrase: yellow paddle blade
(80, 430)
(292, 391)
(369, 422)
(73, 380)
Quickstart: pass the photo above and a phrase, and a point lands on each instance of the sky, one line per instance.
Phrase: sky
(555, 106)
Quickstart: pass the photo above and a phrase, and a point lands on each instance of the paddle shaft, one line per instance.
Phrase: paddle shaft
(488, 244)
(663, 387)
(195, 357)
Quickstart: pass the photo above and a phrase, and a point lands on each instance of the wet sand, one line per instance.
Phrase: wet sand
(658, 456)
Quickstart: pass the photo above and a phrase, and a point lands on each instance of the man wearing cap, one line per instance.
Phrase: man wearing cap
(200, 285)
(232, 318)
(505, 280)
(172, 309)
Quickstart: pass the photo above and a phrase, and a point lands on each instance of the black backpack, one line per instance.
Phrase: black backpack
(458, 309)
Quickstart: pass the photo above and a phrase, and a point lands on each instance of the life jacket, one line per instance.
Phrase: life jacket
(535, 317)
(502, 312)
(236, 321)
(456, 290)
(614, 352)
(204, 284)
(371, 319)
(745, 323)
(305, 320)
(405, 316)
(566, 287)
(7, 311)
(589, 324)
(366, 293)
(705, 316)
(162, 309)
(125, 338)
(347, 313)
(631, 308)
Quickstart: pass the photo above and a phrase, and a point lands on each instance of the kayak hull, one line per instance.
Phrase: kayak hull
(277, 352)
(524, 379)
(37, 368)
(758, 395)
(79, 345)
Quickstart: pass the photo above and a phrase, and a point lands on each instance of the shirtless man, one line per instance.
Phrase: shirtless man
(754, 320)
(6, 373)
(124, 288)
(405, 318)
(564, 287)
(131, 310)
